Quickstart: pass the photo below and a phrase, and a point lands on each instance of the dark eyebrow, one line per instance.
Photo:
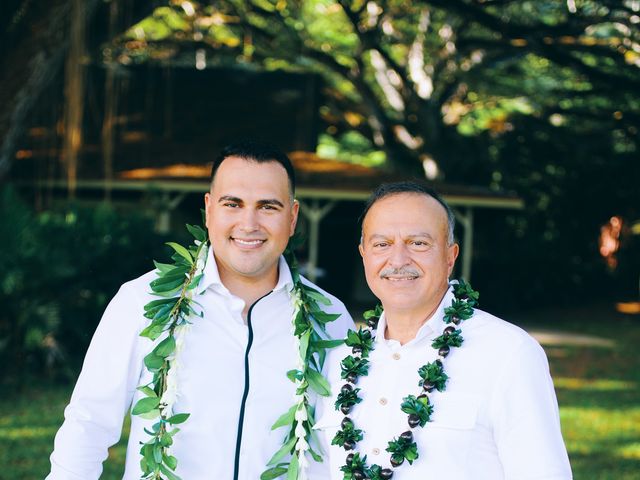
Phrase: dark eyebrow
(230, 198)
(271, 201)
(260, 203)
(422, 235)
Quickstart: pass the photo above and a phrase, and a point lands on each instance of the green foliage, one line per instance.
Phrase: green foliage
(348, 398)
(59, 270)
(401, 448)
(433, 372)
(452, 340)
(598, 393)
(362, 338)
(355, 365)
(375, 313)
(175, 282)
(420, 406)
(309, 323)
(348, 433)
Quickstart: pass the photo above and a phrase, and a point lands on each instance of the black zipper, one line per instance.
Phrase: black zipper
(236, 466)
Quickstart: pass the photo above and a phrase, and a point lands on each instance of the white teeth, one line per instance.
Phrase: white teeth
(248, 242)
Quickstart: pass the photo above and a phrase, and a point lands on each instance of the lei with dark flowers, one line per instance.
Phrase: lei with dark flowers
(418, 408)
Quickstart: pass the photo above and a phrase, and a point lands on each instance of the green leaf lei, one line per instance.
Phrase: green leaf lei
(418, 408)
(170, 317)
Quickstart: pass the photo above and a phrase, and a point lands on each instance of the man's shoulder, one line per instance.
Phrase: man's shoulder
(485, 325)
(139, 287)
(338, 328)
(335, 301)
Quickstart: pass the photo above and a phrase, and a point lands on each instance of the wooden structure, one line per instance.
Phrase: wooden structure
(321, 185)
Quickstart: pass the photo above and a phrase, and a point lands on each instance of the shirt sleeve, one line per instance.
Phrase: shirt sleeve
(103, 392)
(526, 419)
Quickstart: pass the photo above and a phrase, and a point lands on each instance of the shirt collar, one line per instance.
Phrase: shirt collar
(435, 323)
(211, 275)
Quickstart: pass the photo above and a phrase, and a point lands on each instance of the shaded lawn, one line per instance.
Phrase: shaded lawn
(598, 391)
(28, 423)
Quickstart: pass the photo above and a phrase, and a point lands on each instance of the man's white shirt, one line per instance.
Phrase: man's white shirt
(211, 379)
(497, 419)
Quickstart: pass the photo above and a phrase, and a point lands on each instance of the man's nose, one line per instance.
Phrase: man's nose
(249, 221)
(399, 255)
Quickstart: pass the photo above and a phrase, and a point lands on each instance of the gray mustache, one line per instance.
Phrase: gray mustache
(399, 272)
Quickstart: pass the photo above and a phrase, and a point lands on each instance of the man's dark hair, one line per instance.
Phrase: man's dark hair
(256, 151)
(396, 188)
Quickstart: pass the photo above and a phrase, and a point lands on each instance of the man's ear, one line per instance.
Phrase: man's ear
(207, 202)
(295, 209)
(452, 254)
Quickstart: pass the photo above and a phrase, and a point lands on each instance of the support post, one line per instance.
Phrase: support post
(314, 214)
(466, 220)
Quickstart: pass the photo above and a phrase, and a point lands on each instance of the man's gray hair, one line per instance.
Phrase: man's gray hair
(396, 188)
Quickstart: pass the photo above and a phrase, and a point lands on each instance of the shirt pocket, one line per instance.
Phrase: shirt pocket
(453, 422)
(455, 411)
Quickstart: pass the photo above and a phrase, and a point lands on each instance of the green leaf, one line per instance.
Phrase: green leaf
(157, 453)
(318, 383)
(180, 250)
(292, 472)
(153, 331)
(166, 440)
(178, 418)
(285, 419)
(151, 415)
(145, 405)
(163, 267)
(170, 461)
(283, 451)
(317, 296)
(170, 475)
(153, 362)
(325, 317)
(304, 343)
(168, 284)
(294, 375)
(147, 451)
(149, 392)
(195, 281)
(198, 232)
(158, 303)
(165, 347)
(326, 344)
(274, 472)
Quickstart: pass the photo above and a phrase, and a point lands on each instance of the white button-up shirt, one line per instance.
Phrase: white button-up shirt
(497, 419)
(223, 359)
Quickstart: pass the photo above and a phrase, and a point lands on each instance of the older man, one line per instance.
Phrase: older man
(231, 372)
(436, 388)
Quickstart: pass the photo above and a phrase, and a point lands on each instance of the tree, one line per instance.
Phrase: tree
(415, 78)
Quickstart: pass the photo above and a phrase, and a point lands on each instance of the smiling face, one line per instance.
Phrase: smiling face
(406, 255)
(250, 216)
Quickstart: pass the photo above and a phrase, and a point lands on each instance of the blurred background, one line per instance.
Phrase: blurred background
(525, 115)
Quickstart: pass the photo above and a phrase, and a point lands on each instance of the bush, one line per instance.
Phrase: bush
(59, 270)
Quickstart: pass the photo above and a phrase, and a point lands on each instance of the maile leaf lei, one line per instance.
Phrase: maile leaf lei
(170, 317)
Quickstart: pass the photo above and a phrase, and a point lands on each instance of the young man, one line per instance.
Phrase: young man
(427, 405)
(232, 369)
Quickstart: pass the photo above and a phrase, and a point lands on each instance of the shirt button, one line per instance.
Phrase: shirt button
(383, 401)
(396, 356)
(375, 451)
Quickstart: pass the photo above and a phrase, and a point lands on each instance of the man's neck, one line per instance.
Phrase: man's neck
(403, 325)
(249, 289)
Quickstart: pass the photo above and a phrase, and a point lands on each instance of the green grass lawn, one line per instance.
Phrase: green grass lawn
(598, 391)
